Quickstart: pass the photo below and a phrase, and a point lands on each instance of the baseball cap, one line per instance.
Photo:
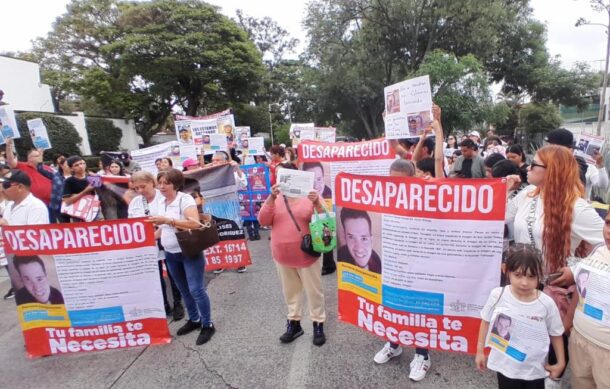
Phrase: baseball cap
(474, 133)
(189, 162)
(17, 176)
(560, 137)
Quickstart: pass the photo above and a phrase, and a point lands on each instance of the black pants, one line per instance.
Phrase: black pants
(511, 383)
(553, 357)
(328, 261)
(176, 296)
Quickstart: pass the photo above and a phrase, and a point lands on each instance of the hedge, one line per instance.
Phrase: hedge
(103, 135)
(62, 134)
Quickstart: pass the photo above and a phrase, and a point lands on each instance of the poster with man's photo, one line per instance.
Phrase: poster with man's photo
(257, 191)
(589, 147)
(418, 257)
(86, 286)
(408, 108)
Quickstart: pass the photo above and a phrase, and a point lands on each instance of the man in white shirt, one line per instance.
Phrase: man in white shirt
(23, 208)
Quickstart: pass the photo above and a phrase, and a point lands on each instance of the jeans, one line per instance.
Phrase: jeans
(188, 276)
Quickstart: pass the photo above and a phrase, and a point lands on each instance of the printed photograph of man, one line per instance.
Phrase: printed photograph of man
(357, 240)
(393, 101)
(185, 136)
(501, 326)
(228, 131)
(582, 278)
(36, 286)
(318, 184)
(582, 145)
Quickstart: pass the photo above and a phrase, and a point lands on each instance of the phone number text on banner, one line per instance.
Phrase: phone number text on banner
(96, 286)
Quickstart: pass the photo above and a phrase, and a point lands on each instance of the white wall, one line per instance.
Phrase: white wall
(130, 139)
(20, 81)
(78, 120)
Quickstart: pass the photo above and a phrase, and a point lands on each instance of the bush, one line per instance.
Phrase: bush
(62, 134)
(103, 135)
(92, 163)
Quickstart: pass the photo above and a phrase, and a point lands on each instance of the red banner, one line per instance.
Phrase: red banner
(310, 151)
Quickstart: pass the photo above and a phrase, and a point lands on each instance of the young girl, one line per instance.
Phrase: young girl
(523, 318)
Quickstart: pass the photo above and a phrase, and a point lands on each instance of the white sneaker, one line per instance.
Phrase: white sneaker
(419, 367)
(218, 271)
(387, 353)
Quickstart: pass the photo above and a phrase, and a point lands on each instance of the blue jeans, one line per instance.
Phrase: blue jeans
(188, 276)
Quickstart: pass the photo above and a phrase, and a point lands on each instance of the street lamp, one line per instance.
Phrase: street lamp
(602, 97)
(271, 125)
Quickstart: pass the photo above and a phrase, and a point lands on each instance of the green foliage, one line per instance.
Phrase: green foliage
(281, 135)
(103, 135)
(257, 117)
(62, 134)
(539, 117)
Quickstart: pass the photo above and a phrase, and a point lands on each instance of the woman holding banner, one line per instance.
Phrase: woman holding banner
(179, 211)
(552, 215)
(298, 271)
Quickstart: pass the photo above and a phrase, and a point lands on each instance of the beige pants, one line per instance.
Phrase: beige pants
(294, 281)
(589, 363)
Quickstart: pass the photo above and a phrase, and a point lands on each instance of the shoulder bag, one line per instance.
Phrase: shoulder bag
(192, 242)
(306, 241)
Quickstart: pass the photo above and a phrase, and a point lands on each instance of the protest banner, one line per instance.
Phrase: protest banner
(588, 146)
(97, 286)
(219, 189)
(241, 136)
(312, 133)
(259, 188)
(408, 108)
(226, 126)
(38, 133)
(418, 258)
(256, 146)
(218, 142)
(295, 132)
(204, 126)
(8, 124)
(326, 160)
(146, 157)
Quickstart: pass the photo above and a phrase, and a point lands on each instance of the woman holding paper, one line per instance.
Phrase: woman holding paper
(298, 271)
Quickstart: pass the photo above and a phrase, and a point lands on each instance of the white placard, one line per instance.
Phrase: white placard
(408, 108)
(588, 146)
(8, 124)
(256, 145)
(218, 142)
(38, 132)
(295, 183)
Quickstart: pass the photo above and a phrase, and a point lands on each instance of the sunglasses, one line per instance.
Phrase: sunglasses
(534, 164)
(8, 184)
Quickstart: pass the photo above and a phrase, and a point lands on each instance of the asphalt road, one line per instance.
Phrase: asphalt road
(248, 311)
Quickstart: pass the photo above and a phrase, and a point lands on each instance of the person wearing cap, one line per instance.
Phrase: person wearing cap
(129, 164)
(185, 137)
(475, 137)
(23, 208)
(190, 164)
(41, 185)
(590, 175)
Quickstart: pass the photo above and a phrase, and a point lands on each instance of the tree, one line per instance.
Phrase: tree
(539, 117)
(62, 134)
(103, 135)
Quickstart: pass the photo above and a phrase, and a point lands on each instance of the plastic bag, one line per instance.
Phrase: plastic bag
(323, 229)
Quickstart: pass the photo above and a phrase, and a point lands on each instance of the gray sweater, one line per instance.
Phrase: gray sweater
(478, 167)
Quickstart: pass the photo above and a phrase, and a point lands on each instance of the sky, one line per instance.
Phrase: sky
(585, 43)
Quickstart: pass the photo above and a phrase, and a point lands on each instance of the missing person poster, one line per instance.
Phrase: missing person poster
(259, 188)
(38, 133)
(589, 147)
(148, 156)
(8, 124)
(241, 136)
(201, 127)
(86, 286)
(408, 108)
(417, 258)
(326, 160)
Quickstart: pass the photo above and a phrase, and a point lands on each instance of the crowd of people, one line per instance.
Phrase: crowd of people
(550, 226)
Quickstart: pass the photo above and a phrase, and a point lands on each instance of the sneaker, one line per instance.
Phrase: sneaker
(178, 312)
(419, 367)
(318, 334)
(241, 269)
(205, 335)
(9, 294)
(293, 331)
(189, 326)
(218, 271)
(387, 353)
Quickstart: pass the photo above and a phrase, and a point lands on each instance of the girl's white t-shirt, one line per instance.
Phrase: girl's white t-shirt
(587, 225)
(175, 210)
(530, 316)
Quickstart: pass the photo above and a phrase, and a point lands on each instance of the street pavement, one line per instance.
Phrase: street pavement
(249, 314)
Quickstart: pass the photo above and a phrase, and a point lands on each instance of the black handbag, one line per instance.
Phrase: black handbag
(306, 241)
(193, 242)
